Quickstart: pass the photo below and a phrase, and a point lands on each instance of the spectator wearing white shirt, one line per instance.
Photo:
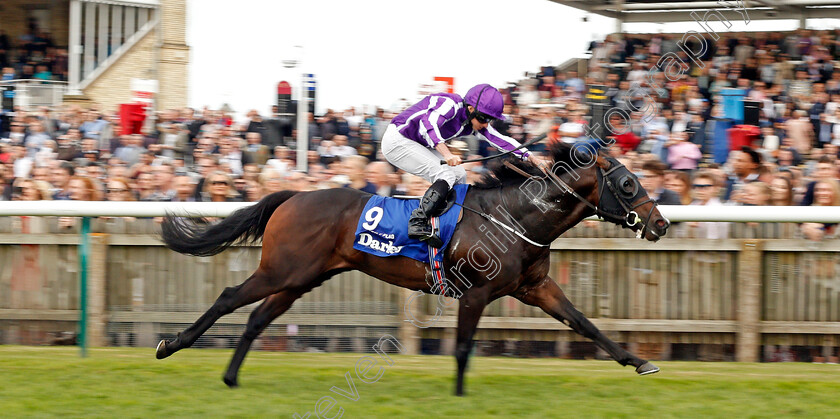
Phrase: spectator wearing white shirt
(341, 149)
(638, 73)
(528, 96)
(281, 163)
(705, 189)
(574, 129)
(22, 163)
(353, 119)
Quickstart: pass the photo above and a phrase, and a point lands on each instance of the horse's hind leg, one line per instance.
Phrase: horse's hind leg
(260, 318)
(255, 288)
(549, 297)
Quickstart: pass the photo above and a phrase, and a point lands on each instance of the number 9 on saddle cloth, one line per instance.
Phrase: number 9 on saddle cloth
(382, 229)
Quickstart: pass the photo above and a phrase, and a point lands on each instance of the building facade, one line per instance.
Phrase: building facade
(109, 43)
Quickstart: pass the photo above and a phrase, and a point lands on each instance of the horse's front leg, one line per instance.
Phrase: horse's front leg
(470, 307)
(549, 297)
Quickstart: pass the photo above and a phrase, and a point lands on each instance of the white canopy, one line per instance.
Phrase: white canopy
(653, 11)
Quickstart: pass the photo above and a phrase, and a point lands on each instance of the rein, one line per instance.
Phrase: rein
(632, 218)
(487, 217)
(493, 220)
(557, 179)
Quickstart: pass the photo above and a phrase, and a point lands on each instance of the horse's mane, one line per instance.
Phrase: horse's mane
(499, 174)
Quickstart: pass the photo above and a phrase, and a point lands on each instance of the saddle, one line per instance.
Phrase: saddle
(382, 229)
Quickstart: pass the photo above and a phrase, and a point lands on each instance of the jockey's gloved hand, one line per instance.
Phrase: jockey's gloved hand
(542, 164)
(447, 155)
(452, 160)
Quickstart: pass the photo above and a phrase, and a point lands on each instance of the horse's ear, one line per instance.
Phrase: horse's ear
(585, 151)
(602, 162)
(582, 154)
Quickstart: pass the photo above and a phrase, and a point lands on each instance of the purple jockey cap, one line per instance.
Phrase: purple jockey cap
(486, 99)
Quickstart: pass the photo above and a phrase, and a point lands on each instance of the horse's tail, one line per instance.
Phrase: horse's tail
(245, 225)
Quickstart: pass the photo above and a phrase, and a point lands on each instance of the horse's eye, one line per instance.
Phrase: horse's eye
(627, 186)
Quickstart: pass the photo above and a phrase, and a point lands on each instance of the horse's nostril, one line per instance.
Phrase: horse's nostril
(663, 224)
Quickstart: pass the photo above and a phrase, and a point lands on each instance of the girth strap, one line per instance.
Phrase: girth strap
(493, 220)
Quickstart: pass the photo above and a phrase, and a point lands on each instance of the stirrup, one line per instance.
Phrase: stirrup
(423, 235)
(433, 240)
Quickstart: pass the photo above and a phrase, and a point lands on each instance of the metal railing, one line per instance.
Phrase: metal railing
(33, 93)
(750, 249)
(726, 213)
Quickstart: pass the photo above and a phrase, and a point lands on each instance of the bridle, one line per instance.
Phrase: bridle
(630, 217)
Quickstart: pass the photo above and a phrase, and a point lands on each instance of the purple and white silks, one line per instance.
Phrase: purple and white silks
(440, 117)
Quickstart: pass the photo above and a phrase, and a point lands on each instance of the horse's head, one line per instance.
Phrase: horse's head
(581, 183)
(622, 200)
(604, 187)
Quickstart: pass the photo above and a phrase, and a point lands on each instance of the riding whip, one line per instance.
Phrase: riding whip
(530, 142)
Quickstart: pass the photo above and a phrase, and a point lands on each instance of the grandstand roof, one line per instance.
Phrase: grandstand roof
(654, 11)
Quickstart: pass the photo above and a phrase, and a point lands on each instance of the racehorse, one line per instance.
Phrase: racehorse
(307, 238)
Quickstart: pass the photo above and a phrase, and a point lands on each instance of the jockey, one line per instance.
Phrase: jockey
(415, 142)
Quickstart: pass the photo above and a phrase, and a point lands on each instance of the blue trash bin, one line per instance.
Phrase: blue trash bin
(733, 104)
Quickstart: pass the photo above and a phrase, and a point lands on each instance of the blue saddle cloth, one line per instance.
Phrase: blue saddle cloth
(383, 227)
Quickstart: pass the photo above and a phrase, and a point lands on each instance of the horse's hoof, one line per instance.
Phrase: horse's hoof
(160, 352)
(647, 368)
(231, 382)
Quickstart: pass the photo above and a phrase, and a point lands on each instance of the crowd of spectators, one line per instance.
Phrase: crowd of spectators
(32, 55)
(207, 155)
(792, 159)
(80, 154)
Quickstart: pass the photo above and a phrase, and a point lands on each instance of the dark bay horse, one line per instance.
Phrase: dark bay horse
(307, 237)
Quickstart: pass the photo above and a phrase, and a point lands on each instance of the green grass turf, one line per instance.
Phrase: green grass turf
(129, 382)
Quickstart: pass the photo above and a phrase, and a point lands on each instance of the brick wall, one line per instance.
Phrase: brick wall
(173, 79)
(114, 86)
(174, 21)
(174, 55)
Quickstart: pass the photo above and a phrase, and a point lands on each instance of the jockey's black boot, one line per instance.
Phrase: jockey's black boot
(418, 224)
